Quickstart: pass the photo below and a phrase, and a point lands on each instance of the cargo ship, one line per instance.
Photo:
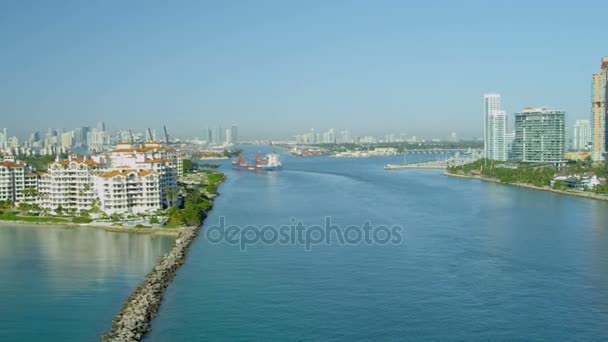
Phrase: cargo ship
(269, 162)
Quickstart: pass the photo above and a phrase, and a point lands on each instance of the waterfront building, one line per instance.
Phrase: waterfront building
(123, 190)
(496, 139)
(539, 135)
(495, 128)
(151, 156)
(15, 177)
(599, 111)
(581, 137)
(68, 184)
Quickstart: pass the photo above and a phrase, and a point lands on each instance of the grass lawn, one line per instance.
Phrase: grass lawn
(12, 216)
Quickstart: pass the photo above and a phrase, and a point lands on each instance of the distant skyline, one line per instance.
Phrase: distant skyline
(277, 68)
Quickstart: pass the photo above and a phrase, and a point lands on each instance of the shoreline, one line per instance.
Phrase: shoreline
(108, 228)
(534, 187)
(135, 316)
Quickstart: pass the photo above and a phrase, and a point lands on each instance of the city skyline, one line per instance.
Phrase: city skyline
(358, 67)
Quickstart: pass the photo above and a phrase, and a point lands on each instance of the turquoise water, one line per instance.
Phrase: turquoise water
(61, 284)
(479, 261)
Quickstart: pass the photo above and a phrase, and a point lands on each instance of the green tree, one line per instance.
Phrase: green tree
(189, 165)
(560, 184)
(171, 196)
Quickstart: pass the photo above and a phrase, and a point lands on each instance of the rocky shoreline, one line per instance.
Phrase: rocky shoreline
(133, 320)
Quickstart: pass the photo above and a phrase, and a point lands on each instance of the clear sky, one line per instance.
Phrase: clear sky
(279, 67)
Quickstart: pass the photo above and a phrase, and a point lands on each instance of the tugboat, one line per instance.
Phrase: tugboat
(269, 162)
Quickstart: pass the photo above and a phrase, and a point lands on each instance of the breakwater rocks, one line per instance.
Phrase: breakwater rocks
(133, 320)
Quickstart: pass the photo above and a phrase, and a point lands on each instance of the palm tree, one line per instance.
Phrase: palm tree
(171, 195)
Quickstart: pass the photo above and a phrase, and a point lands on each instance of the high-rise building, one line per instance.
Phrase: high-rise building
(496, 142)
(228, 136)
(216, 136)
(329, 137)
(84, 131)
(345, 136)
(207, 135)
(235, 133)
(495, 122)
(3, 139)
(581, 137)
(540, 135)
(67, 139)
(101, 126)
(599, 111)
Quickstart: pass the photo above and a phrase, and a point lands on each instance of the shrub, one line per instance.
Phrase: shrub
(81, 219)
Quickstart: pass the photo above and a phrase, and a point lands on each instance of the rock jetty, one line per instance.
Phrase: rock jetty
(133, 320)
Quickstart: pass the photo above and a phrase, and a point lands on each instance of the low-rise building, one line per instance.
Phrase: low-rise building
(587, 180)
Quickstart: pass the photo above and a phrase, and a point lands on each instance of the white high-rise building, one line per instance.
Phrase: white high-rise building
(3, 139)
(581, 138)
(495, 128)
(496, 147)
(228, 136)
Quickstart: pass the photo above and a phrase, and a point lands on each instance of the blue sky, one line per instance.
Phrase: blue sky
(279, 67)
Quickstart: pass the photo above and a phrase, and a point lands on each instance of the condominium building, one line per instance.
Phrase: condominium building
(128, 190)
(496, 136)
(151, 156)
(68, 184)
(581, 135)
(599, 111)
(13, 180)
(495, 122)
(540, 135)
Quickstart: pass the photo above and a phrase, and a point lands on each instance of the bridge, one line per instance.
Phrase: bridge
(442, 150)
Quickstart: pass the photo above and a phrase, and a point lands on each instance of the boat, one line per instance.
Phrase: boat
(269, 162)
